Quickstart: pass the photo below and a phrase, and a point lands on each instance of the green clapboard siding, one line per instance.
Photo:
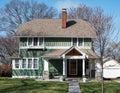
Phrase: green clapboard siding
(26, 72)
(56, 67)
(33, 52)
(57, 41)
(87, 42)
(23, 41)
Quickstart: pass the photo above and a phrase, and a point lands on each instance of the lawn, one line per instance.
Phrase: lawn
(95, 87)
(8, 85)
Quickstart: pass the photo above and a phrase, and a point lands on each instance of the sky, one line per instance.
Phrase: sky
(110, 7)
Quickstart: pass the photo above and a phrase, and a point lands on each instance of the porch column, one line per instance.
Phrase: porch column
(45, 65)
(83, 73)
(46, 70)
(63, 66)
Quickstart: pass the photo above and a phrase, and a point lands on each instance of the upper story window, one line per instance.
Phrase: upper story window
(29, 41)
(23, 41)
(87, 42)
(80, 41)
(77, 41)
(35, 42)
(40, 41)
(74, 41)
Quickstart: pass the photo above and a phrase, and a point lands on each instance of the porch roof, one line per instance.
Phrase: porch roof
(89, 53)
(55, 53)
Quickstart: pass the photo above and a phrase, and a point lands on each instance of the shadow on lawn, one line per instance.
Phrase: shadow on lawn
(33, 87)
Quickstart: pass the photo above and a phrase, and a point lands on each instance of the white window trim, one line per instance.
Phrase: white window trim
(31, 63)
(77, 41)
(25, 64)
(71, 41)
(26, 68)
(82, 41)
(13, 64)
(32, 45)
(51, 47)
(37, 63)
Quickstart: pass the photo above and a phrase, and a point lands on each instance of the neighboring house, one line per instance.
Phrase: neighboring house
(111, 69)
(54, 47)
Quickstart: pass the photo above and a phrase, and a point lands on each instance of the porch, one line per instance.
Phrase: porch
(71, 63)
(70, 68)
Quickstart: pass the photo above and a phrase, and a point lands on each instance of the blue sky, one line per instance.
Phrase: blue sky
(110, 7)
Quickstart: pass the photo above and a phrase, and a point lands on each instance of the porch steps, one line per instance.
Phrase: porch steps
(74, 79)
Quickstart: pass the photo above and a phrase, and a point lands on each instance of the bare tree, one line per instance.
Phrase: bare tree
(17, 12)
(113, 51)
(103, 25)
(11, 16)
(8, 48)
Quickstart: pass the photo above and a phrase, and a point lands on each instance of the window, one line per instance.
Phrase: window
(87, 42)
(80, 40)
(74, 41)
(40, 41)
(24, 63)
(35, 41)
(35, 63)
(29, 41)
(29, 63)
(23, 41)
(16, 63)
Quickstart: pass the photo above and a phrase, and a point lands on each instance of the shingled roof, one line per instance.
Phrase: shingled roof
(57, 53)
(53, 28)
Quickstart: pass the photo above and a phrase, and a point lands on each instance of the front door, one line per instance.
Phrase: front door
(73, 67)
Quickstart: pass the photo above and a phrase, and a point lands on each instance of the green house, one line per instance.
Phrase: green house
(49, 48)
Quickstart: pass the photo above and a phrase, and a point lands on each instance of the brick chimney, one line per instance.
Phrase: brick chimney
(64, 18)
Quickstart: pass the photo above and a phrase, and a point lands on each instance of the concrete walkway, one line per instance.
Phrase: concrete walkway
(74, 87)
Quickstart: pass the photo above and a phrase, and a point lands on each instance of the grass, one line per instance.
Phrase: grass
(8, 85)
(95, 87)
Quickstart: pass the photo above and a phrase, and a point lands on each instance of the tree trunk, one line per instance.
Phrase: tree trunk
(102, 79)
